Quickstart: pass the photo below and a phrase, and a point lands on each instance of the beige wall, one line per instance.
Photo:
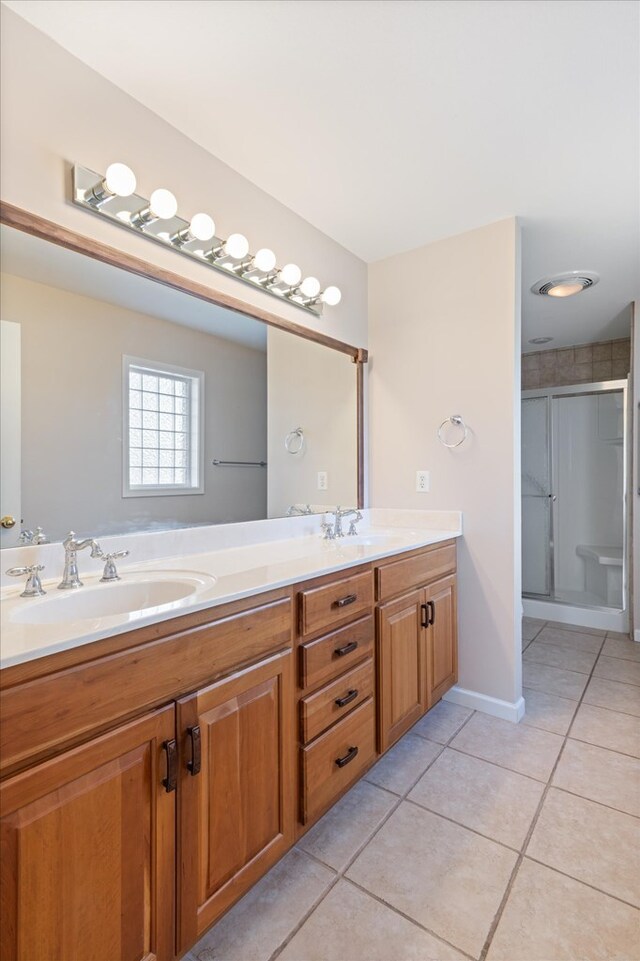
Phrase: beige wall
(56, 112)
(582, 364)
(72, 348)
(312, 387)
(445, 338)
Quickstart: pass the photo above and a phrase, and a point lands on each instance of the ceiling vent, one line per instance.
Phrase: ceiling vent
(567, 284)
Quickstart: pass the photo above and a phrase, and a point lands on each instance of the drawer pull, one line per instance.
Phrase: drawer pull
(347, 649)
(195, 763)
(345, 601)
(432, 609)
(347, 699)
(349, 756)
(171, 780)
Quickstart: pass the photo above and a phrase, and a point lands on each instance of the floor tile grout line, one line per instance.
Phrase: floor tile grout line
(563, 697)
(538, 780)
(275, 954)
(341, 874)
(582, 740)
(459, 824)
(617, 680)
(516, 869)
(557, 787)
(587, 884)
(418, 924)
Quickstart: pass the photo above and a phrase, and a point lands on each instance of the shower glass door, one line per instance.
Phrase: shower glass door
(537, 539)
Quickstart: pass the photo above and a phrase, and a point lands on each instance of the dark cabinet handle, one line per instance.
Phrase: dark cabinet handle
(171, 780)
(347, 699)
(341, 651)
(424, 610)
(195, 763)
(349, 756)
(345, 601)
(432, 609)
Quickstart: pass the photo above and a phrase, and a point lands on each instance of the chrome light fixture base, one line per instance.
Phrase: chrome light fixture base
(131, 213)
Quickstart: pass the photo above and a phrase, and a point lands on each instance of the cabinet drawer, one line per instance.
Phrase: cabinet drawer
(401, 576)
(336, 759)
(331, 703)
(328, 656)
(322, 608)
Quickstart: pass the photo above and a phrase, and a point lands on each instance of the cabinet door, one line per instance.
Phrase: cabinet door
(402, 694)
(442, 639)
(237, 788)
(88, 851)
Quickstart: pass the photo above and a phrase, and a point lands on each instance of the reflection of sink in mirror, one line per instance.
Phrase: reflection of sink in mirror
(133, 594)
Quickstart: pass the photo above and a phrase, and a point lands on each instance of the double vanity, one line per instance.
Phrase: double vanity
(167, 737)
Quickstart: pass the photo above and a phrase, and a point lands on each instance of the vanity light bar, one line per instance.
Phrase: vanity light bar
(113, 197)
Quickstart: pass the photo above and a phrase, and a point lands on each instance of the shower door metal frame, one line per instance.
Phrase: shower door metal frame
(531, 395)
(575, 390)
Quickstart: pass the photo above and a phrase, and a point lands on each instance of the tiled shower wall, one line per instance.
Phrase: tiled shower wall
(584, 364)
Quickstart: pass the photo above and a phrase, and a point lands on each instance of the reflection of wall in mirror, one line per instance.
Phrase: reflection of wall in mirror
(72, 414)
(10, 430)
(313, 387)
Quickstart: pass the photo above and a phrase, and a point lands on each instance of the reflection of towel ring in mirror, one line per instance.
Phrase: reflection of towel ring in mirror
(294, 441)
(457, 421)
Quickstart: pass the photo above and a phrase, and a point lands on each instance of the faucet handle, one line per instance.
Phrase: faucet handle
(110, 572)
(354, 521)
(33, 587)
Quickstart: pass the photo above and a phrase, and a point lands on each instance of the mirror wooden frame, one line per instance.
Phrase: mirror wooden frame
(31, 223)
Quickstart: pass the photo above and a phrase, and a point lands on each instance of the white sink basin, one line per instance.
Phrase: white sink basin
(134, 595)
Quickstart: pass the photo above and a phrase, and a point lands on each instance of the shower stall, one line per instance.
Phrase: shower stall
(574, 525)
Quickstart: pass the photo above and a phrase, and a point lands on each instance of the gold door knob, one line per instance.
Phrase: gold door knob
(8, 521)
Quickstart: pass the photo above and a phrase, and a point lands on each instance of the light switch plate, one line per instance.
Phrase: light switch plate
(323, 480)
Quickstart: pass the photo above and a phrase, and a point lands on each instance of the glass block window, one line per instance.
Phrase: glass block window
(162, 429)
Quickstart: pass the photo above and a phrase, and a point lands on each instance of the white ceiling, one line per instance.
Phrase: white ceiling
(389, 124)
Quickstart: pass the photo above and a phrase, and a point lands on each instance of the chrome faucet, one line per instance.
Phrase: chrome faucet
(296, 509)
(338, 515)
(71, 578)
(33, 537)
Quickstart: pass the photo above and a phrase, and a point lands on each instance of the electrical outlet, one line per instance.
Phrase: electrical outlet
(323, 480)
(423, 482)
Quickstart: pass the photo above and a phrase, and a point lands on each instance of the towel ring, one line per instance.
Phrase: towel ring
(457, 421)
(294, 441)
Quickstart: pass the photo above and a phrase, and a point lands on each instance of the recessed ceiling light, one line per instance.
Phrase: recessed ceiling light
(567, 284)
(541, 340)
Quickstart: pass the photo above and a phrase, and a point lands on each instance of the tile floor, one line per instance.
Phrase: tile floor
(474, 837)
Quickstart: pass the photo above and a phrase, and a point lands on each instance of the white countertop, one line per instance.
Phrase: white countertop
(270, 555)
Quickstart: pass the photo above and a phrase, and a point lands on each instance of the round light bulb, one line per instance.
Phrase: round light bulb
(202, 227)
(290, 275)
(120, 180)
(310, 287)
(265, 260)
(565, 290)
(163, 204)
(237, 246)
(332, 296)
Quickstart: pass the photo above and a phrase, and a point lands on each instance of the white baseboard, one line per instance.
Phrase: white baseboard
(507, 710)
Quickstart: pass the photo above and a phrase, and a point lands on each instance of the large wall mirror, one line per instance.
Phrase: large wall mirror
(132, 405)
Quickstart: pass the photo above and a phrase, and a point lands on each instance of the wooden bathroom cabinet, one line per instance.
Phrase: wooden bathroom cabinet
(150, 779)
